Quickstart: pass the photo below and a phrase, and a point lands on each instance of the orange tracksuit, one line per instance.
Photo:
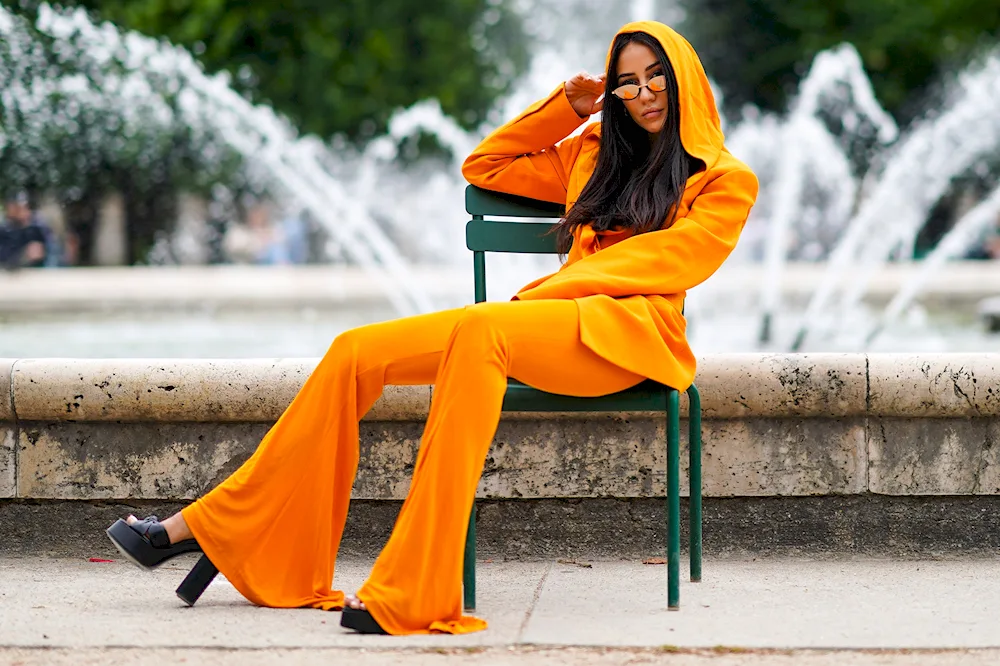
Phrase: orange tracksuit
(607, 319)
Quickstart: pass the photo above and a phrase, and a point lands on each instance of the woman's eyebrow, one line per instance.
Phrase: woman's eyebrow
(653, 66)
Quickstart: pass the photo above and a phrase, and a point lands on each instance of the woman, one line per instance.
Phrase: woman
(656, 204)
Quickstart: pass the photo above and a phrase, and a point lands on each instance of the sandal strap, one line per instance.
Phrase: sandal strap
(153, 531)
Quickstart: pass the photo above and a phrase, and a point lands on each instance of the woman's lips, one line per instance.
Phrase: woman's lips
(652, 113)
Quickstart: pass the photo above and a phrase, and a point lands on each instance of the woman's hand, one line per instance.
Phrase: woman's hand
(584, 93)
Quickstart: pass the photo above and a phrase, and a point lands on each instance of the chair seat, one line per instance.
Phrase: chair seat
(647, 396)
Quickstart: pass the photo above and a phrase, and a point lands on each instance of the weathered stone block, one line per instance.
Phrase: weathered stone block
(179, 390)
(138, 461)
(775, 456)
(6, 399)
(401, 403)
(604, 457)
(957, 456)
(781, 385)
(627, 458)
(600, 457)
(145, 461)
(388, 455)
(8, 462)
(933, 385)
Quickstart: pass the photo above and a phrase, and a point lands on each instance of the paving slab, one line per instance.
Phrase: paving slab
(782, 611)
(77, 603)
(780, 603)
(496, 656)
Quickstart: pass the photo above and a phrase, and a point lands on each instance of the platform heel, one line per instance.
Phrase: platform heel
(197, 580)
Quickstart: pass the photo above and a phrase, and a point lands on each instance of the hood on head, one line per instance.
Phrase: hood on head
(701, 129)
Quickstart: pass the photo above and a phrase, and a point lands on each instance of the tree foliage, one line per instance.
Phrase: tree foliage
(757, 49)
(344, 67)
(82, 115)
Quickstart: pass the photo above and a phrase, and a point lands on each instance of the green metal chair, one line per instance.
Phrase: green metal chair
(494, 235)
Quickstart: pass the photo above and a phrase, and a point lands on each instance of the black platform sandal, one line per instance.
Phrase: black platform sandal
(360, 621)
(145, 543)
(197, 580)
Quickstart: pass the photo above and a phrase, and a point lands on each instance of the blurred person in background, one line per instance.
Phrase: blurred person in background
(260, 240)
(989, 247)
(24, 240)
(295, 235)
(992, 245)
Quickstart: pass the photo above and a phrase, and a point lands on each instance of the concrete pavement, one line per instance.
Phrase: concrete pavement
(780, 611)
(512, 656)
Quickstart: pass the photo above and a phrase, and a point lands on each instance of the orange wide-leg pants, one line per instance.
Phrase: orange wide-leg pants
(274, 527)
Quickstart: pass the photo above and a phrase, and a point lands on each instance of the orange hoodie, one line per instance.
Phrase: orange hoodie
(630, 289)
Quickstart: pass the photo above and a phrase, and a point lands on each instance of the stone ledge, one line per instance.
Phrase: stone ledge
(733, 386)
(780, 385)
(179, 390)
(6, 390)
(951, 385)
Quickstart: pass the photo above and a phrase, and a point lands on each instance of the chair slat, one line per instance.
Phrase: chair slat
(526, 237)
(486, 203)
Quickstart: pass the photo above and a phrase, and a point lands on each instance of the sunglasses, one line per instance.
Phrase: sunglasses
(630, 91)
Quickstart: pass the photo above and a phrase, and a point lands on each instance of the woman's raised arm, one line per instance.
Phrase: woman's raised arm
(530, 156)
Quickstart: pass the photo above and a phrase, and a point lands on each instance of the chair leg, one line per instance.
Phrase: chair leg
(673, 501)
(469, 565)
(694, 476)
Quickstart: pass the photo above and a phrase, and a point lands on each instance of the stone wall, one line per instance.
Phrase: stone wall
(775, 425)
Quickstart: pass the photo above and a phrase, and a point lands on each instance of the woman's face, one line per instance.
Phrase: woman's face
(638, 66)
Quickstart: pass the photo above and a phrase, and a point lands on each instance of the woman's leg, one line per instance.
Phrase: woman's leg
(416, 583)
(274, 526)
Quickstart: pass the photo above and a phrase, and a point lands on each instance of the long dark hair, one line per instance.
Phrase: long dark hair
(635, 184)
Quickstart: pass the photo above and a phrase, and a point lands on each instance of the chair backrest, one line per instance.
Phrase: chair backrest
(480, 202)
(493, 235)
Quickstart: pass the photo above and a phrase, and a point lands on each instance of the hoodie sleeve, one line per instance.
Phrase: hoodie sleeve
(528, 156)
(668, 261)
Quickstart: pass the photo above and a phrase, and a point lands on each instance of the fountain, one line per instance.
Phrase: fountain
(967, 231)
(916, 173)
(817, 203)
(297, 164)
(804, 154)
